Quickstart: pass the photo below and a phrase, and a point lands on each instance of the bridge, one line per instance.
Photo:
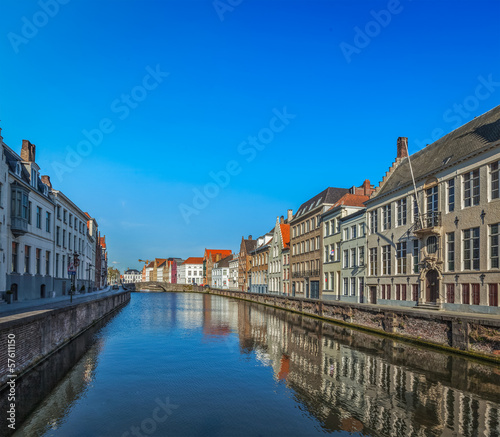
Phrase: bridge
(162, 287)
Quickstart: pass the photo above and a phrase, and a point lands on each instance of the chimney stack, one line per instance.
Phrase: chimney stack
(367, 188)
(282, 219)
(28, 151)
(289, 215)
(46, 181)
(249, 237)
(402, 147)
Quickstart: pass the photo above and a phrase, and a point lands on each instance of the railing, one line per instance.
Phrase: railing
(305, 274)
(428, 220)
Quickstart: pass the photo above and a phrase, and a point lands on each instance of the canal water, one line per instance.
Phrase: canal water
(179, 364)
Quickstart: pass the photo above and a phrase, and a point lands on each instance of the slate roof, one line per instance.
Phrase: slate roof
(328, 196)
(477, 134)
(250, 245)
(224, 262)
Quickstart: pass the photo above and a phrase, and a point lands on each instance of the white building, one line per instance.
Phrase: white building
(149, 271)
(131, 276)
(190, 271)
(233, 273)
(220, 273)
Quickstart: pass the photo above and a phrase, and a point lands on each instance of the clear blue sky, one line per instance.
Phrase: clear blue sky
(354, 85)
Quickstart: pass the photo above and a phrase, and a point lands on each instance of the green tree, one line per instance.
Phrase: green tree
(113, 275)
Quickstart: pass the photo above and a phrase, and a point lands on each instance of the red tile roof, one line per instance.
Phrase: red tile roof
(285, 235)
(351, 200)
(221, 252)
(102, 242)
(194, 260)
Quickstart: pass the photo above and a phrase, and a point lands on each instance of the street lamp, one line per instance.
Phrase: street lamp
(89, 268)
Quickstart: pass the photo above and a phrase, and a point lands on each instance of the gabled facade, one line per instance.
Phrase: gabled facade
(278, 258)
(191, 271)
(260, 265)
(245, 262)
(234, 272)
(220, 273)
(210, 257)
(440, 248)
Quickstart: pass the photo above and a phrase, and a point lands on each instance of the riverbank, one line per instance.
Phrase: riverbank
(473, 335)
(33, 333)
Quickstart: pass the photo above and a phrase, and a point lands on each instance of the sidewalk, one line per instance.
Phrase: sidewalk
(30, 307)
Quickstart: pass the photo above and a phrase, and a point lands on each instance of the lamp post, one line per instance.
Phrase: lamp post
(89, 269)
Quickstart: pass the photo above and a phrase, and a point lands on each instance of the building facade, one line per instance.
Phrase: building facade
(220, 273)
(191, 271)
(210, 257)
(234, 272)
(245, 262)
(278, 273)
(439, 249)
(131, 276)
(260, 265)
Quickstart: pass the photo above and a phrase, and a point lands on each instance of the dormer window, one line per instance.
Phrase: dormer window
(18, 169)
(34, 178)
(45, 190)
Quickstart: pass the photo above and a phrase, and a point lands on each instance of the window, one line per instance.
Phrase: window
(398, 292)
(15, 248)
(432, 244)
(361, 255)
(495, 193)
(65, 218)
(59, 212)
(432, 199)
(307, 226)
(494, 264)
(327, 255)
(373, 262)
(64, 238)
(47, 221)
(386, 260)
(332, 227)
(451, 195)
(75, 223)
(317, 243)
(450, 246)
(353, 286)
(29, 212)
(403, 291)
(353, 257)
(38, 217)
(63, 271)
(38, 255)
(401, 207)
(475, 294)
(27, 250)
(493, 295)
(373, 222)
(450, 293)
(70, 220)
(346, 259)
(389, 296)
(19, 204)
(415, 209)
(58, 235)
(346, 234)
(471, 188)
(346, 286)
(383, 291)
(415, 292)
(386, 217)
(465, 294)
(57, 265)
(415, 256)
(401, 257)
(471, 249)
(354, 232)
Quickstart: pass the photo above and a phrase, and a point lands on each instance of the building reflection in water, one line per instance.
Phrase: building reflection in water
(358, 382)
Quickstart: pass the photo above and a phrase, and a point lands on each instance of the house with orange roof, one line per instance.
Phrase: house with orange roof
(191, 271)
(335, 258)
(210, 257)
(158, 269)
(279, 258)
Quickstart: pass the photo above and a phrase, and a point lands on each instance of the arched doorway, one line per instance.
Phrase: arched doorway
(42, 291)
(432, 286)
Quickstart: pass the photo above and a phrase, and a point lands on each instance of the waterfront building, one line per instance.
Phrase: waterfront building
(353, 255)
(103, 280)
(220, 273)
(131, 276)
(158, 269)
(440, 248)
(245, 262)
(210, 257)
(191, 271)
(233, 272)
(333, 236)
(92, 235)
(280, 243)
(149, 271)
(305, 244)
(260, 265)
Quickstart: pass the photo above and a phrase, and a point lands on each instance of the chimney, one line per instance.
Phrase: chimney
(289, 215)
(367, 188)
(282, 219)
(27, 151)
(46, 181)
(249, 237)
(402, 147)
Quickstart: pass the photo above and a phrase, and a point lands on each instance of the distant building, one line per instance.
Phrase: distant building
(131, 276)
(260, 265)
(234, 272)
(191, 271)
(220, 273)
(210, 257)
(279, 254)
(245, 262)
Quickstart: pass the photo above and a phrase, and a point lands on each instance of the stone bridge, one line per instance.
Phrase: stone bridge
(162, 286)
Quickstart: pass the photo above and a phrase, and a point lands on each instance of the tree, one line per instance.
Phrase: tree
(113, 275)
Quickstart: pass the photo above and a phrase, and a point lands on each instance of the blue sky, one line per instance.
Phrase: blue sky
(136, 106)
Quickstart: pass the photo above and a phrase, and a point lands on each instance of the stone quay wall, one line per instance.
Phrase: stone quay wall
(470, 334)
(39, 333)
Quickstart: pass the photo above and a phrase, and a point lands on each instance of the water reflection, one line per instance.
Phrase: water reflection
(213, 360)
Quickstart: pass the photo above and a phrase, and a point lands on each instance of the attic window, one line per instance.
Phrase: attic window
(18, 169)
(446, 160)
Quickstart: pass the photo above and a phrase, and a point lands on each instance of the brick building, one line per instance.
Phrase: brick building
(244, 263)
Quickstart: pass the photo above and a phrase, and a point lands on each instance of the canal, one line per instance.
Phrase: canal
(182, 364)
